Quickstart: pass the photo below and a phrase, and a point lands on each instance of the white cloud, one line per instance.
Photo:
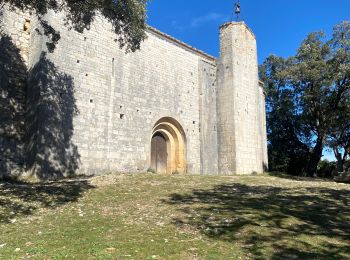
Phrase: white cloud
(177, 26)
(199, 21)
(211, 17)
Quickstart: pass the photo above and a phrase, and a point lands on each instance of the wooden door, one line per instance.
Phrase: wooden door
(159, 155)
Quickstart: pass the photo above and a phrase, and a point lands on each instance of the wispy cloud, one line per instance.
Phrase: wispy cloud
(199, 21)
(177, 26)
(211, 17)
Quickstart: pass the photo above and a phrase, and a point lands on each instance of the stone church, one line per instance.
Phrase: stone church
(90, 108)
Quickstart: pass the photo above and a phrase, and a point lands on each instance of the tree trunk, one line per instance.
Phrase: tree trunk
(340, 165)
(315, 157)
(340, 160)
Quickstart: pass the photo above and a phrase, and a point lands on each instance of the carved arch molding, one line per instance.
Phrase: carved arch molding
(168, 147)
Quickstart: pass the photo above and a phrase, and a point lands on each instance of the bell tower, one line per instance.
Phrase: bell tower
(238, 102)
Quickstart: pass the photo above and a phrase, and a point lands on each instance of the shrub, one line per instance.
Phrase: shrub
(326, 169)
(150, 170)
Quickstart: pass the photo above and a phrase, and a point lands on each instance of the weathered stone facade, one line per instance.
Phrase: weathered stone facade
(241, 103)
(91, 108)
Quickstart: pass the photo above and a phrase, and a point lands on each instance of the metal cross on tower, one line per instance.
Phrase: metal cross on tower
(236, 11)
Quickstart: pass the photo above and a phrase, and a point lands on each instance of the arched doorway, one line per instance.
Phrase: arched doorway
(168, 147)
(159, 154)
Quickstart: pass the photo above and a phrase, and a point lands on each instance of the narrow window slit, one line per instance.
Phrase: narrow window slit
(26, 25)
(113, 67)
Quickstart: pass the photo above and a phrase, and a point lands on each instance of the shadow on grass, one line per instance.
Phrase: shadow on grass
(298, 178)
(271, 222)
(18, 199)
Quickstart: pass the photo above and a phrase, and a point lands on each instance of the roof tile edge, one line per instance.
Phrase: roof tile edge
(181, 43)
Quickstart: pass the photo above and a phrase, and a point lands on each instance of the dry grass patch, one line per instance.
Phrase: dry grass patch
(175, 217)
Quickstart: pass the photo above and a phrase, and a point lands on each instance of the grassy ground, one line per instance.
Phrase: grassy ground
(175, 217)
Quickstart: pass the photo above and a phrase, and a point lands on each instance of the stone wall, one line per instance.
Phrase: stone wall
(118, 98)
(91, 108)
(15, 32)
(239, 125)
(263, 130)
(208, 119)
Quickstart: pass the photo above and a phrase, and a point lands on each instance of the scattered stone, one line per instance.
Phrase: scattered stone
(29, 244)
(110, 250)
(17, 249)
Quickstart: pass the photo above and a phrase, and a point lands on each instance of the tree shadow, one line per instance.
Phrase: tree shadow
(20, 199)
(271, 222)
(51, 107)
(12, 108)
(37, 108)
(298, 178)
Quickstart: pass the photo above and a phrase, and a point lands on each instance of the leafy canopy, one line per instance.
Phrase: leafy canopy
(308, 97)
(128, 17)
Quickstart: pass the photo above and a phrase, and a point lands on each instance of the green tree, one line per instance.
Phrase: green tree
(288, 142)
(311, 79)
(317, 79)
(339, 142)
(128, 17)
(339, 137)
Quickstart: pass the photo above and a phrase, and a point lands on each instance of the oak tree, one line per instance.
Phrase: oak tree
(128, 17)
(317, 79)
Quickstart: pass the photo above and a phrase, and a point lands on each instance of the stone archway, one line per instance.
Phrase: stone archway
(168, 147)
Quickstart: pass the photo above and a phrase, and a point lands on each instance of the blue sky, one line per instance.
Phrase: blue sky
(279, 25)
